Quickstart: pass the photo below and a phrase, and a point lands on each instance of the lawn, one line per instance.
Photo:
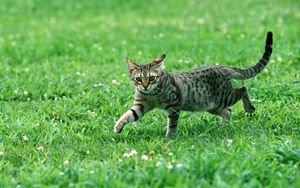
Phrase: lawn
(64, 83)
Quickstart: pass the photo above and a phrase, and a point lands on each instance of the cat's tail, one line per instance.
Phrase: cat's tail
(240, 74)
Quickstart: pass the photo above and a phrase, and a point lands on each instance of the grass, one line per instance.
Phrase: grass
(59, 103)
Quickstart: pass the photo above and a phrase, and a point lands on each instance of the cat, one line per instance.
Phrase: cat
(207, 89)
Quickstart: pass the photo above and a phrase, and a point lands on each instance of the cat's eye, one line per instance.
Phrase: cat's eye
(152, 78)
(139, 79)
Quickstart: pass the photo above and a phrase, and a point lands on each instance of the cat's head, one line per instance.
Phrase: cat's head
(147, 76)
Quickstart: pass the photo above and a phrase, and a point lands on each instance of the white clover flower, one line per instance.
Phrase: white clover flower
(87, 152)
(279, 58)
(179, 165)
(25, 138)
(1, 153)
(144, 157)
(151, 152)
(91, 113)
(25, 93)
(61, 173)
(66, 162)
(169, 166)
(41, 148)
(158, 163)
(229, 142)
(256, 100)
(115, 82)
(120, 160)
(187, 62)
(170, 154)
(98, 85)
(126, 155)
(133, 153)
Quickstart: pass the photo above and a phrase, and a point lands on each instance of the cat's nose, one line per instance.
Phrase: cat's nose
(145, 86)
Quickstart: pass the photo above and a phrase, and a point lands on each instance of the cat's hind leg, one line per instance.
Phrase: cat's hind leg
(238, 94)
(224, 113)
(248, 107)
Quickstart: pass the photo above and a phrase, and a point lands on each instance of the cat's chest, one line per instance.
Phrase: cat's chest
(162, 101)
(155, 101)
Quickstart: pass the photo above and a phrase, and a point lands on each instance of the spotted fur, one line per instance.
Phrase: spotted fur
(207, 89)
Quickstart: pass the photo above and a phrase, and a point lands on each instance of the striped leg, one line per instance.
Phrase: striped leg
(136, 112)
(173, 117)
(248, 107)
(238, 94)
(225, 114)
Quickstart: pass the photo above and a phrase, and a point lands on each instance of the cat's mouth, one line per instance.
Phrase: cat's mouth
(146, 90)
(143, 90)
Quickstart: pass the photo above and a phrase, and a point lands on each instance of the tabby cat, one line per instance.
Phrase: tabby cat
(207, 89)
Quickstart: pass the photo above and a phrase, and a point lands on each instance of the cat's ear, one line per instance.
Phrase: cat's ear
(158, 62)
(131, 66)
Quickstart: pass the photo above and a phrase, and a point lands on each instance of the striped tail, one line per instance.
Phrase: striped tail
(240, 74)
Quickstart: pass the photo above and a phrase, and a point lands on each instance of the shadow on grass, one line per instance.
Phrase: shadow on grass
(201, 128)
(198, 127)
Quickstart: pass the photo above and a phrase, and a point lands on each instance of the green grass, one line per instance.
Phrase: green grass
(58, 102)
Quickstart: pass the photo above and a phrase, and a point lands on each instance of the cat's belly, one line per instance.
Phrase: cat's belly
(200, 100)
(197, 107)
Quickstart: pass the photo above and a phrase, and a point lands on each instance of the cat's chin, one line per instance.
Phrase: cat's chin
(145, 91)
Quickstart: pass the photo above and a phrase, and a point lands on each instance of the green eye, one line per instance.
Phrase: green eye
(152, 78)
(139, 79)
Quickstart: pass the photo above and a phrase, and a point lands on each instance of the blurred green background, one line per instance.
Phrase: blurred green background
(64, 83)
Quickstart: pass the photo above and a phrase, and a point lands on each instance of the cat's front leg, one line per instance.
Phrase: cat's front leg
(173, 118)
(136, 112)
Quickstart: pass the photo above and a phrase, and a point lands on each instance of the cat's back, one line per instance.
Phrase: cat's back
(208, 72)
(198, 87)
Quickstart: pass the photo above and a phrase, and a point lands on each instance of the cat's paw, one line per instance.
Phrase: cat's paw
(229, 111)
(250, 109)
(118, 128)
